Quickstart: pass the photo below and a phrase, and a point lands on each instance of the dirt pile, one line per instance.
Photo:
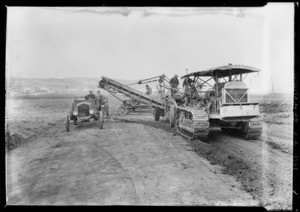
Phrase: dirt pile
(12, 140)
(250, 179)
(281, 146)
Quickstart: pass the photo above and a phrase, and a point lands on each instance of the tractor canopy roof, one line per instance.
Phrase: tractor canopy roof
(223, 71)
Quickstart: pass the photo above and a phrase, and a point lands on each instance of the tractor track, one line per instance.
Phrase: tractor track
(264, 171)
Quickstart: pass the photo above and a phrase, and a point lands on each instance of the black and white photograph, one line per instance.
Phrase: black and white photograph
(150, 106)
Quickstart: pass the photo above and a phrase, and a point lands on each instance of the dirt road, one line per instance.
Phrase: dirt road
(135, 160)
(270, 168)
(264, 167)
(125, 163)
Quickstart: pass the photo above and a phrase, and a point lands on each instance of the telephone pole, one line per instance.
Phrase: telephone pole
(272, 85)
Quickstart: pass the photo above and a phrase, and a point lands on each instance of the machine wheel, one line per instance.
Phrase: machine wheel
(122, 110)
(100, 120)
(172, 116)
(156, 113)
(68, 123)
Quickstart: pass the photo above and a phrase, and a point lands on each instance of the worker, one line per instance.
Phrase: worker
(149, 90)
(103, 101)
(190, 91)
(187, 82)
(161, 79)
(174, 83)
(99, 98)
(90, 95)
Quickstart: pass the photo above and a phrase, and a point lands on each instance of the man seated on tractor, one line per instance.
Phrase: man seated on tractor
(213, 97)
(174, 83)
(149, 90)
(188, 89)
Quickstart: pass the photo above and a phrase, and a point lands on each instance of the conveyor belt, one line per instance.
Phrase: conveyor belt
(114, 86)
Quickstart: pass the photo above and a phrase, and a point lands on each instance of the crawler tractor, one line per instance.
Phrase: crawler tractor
(224, 105)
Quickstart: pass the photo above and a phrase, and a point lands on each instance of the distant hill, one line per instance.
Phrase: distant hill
(56, 83)
(34, 86)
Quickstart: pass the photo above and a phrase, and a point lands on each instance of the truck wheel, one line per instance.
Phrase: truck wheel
(172, 116)
(68, 123)
(122, 110)
(156, 114)
(101, 120)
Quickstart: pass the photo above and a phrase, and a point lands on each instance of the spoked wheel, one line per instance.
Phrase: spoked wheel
(172, 116)
(122, 110)
(68, 123)
(100, 120)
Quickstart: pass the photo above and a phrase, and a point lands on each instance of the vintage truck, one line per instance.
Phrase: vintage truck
(84, 110)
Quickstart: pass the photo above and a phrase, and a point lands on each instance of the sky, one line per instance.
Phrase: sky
(134, 43)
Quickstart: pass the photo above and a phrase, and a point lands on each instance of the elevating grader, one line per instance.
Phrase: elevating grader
(212, 98)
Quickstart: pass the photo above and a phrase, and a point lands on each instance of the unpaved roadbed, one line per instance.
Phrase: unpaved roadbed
(135, 160)
(122, 164)
(264, 171)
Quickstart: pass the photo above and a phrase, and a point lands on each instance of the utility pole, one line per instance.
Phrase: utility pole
(272, 84)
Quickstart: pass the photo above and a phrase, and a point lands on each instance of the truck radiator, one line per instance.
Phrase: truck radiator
(83, 110)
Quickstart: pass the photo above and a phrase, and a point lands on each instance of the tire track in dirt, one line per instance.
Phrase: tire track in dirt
(127, 174)
(49, 159)
(265, 172)
(181, 148)
(274, 167)
(141, 163)
(71, 147)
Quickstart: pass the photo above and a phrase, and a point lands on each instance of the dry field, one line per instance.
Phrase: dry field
(135, 160)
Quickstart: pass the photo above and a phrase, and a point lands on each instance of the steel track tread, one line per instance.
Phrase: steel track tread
(200, 128)
(253, 131)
